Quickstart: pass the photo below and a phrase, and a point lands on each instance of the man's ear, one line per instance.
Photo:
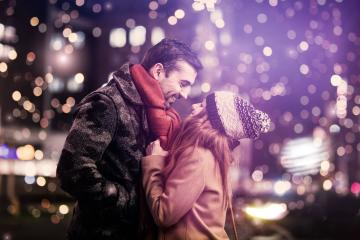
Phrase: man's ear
(156, 70)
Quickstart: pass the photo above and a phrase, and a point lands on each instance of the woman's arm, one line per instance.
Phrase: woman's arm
(169, 201)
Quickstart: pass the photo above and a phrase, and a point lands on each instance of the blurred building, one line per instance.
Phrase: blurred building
(296, 60)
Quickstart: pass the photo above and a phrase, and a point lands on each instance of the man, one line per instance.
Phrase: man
(100, 161)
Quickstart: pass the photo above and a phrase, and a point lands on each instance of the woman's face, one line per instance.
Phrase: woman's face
(197, 107)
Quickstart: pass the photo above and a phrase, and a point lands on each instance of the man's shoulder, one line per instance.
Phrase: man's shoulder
(107, 92)
(124, 81)
(109, 89)
(120, 89)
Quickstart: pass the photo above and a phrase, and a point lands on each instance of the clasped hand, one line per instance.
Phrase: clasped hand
(154, 148)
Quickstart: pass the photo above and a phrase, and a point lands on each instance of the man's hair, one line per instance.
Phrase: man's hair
(168, 52)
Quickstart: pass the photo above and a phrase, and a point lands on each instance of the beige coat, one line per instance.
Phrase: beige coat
(189, 205)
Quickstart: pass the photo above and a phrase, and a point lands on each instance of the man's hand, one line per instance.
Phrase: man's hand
(154, 148)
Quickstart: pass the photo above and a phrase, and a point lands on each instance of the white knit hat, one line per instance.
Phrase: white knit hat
(235, 117)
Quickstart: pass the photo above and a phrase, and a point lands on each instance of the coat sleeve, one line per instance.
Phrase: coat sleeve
(91, 133)
(169, 201)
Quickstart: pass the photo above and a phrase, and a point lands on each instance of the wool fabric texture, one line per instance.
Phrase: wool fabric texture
(163, 122)
(235, 117)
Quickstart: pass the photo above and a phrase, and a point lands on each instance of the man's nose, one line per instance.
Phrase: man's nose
(184, 93)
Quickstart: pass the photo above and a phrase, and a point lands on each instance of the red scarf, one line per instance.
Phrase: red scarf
(162, 122)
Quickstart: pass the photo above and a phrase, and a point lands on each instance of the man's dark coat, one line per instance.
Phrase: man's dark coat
(100, 162)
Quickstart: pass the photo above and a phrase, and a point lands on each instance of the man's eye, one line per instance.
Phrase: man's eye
(184, 83)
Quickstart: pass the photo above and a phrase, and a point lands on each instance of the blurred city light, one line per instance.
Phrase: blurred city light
(281, 187)
(267, 211)
(117, 37)
(303, 72)
(157, 34)
(303, 156)
(137, 36)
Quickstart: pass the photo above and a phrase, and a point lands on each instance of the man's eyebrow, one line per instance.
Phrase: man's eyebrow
(185, 82)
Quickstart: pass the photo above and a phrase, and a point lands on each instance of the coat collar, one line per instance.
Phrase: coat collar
(126, 85)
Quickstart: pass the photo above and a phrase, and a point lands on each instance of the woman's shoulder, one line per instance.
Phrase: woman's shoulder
(199, 153)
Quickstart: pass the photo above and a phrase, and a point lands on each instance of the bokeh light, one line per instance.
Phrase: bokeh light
(296, 60)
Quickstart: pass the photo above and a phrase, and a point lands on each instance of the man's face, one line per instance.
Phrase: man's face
(177, 84)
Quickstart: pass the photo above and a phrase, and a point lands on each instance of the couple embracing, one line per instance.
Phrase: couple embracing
(131, 163)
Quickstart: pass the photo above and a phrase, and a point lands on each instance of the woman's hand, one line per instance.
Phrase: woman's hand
(154, 148)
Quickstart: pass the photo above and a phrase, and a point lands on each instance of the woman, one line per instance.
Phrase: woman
(187, 189)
